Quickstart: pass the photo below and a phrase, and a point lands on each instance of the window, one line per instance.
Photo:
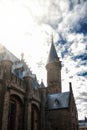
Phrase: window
(12, 115)
(15, 116)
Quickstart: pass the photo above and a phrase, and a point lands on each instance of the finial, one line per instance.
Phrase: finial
(22, 56)
(70, 85)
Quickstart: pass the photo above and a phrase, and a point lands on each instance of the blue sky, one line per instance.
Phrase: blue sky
(27, 26)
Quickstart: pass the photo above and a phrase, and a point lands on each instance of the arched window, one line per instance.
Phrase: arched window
(15, 116)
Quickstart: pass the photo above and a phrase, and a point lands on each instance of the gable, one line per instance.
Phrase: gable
(57, 101)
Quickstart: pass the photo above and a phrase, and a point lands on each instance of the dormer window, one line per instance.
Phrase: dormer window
(56, 102)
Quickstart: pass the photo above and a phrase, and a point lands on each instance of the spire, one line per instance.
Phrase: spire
(42, 84)
(53, 54)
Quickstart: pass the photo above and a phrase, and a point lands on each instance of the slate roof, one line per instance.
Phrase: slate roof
(22, 70)
(83, 124)
(5, 54)
(42, 85)
(52, 55)
(35, 83)
(57, 101)
(19, 67)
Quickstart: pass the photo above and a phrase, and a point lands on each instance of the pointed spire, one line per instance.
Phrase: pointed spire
(53, 54)
(42, 84)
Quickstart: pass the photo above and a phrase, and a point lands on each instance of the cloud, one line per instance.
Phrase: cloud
(69, 24)
(27, 25)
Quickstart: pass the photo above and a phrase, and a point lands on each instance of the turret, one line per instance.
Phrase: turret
(6, 61)
(53, 71)
(6, 67)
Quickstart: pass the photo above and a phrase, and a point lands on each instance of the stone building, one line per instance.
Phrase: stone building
(27, 105)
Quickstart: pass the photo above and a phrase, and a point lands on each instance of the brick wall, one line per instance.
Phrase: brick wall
(57, 119)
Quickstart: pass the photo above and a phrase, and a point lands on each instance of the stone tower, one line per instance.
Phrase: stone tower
(53, 71)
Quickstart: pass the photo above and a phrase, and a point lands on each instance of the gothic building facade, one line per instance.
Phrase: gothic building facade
(27, 105)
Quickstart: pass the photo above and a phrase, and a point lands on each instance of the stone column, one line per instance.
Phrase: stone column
(42, 114)
(27, 120)
(5, 110)
(28, 96)
(17, 117)
(29, 117)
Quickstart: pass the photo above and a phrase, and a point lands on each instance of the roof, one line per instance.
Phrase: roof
(83, 124)
(6, 55)
(42, 85)
(21, 70)
(35, 83)
(52, 55)
(57, 101)
(19, 67)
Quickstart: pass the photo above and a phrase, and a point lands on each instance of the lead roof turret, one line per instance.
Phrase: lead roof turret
(52, 54)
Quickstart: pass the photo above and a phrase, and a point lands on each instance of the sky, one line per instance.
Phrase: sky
(27, 26)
